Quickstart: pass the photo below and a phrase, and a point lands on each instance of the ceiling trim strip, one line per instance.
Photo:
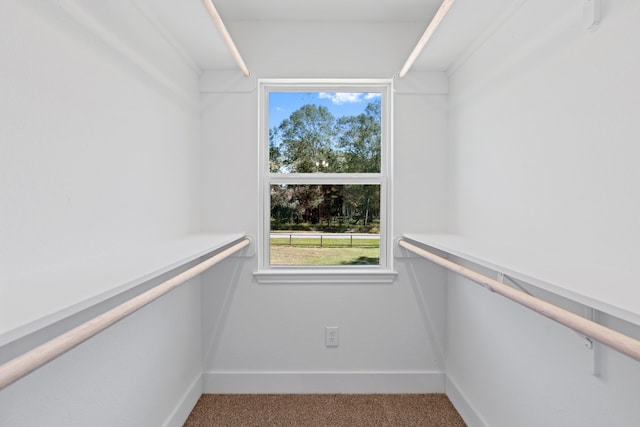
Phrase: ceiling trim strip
(226, 36)
(431, 28)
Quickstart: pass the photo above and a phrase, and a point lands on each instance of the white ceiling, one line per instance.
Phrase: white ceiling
(327, 10)
(190, 25)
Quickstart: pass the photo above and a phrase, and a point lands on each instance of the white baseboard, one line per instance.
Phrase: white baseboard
(186, 404)
(322, 382)
(467, 411)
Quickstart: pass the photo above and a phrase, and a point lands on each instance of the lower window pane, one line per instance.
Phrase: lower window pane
(331, 225)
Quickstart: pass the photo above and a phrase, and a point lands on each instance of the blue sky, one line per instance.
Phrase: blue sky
(282, 104)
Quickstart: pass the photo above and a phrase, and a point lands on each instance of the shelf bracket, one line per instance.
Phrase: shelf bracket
(592, 314)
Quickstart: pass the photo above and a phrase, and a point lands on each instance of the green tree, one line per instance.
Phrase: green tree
(359, 139)
(362, 203)
(275, 156)
(307, 140)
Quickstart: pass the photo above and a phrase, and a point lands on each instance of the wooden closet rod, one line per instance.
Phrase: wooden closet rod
(28, 362)
(614, 339)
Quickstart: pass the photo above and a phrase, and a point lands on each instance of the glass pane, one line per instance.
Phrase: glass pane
(324, 132)
(325, 225)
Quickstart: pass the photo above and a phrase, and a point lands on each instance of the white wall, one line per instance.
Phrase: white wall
(270, 338)
(543, 149)
(99, 138)
(143, 371)
(542, 122)
(99, 150)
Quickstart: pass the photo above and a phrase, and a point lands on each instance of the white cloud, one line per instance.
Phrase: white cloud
(340, 98)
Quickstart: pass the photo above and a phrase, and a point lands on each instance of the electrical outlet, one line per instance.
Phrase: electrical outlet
(331, 336)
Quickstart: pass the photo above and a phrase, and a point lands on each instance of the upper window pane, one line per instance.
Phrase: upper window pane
(325, 132)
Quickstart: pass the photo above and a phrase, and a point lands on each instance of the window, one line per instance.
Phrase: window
(325, 178)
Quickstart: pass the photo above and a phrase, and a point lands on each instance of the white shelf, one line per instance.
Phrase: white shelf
(608, 290)
(32, 302)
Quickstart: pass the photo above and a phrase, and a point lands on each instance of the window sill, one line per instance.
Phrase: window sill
(305, 276)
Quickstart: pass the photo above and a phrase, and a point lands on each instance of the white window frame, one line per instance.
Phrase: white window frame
(382, 273)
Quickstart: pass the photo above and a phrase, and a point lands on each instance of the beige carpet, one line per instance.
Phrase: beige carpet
(324, 410)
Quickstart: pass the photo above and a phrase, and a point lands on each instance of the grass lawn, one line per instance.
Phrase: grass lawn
(307, 255)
